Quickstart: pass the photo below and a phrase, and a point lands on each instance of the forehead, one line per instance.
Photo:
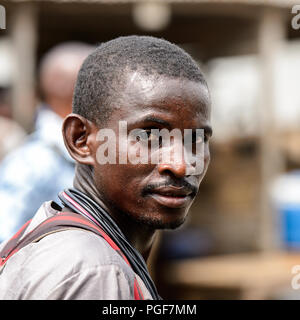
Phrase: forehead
(172, 99)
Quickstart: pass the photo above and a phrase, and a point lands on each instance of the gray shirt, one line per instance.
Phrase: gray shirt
(70, 264)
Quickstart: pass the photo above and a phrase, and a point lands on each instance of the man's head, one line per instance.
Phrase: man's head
(58, 72)
(151, 84)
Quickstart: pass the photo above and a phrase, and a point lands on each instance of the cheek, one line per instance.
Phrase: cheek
(119, 182)
(125, 185)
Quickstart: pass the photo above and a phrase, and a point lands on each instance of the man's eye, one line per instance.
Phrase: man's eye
(198, 138)
(153, 137)
(206, 137)
(146, 136)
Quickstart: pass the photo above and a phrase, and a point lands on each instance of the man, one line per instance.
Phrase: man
(148, 83)
(41, 167)
(11, 134)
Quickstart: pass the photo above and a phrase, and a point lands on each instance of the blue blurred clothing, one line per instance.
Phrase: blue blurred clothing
(34, 173)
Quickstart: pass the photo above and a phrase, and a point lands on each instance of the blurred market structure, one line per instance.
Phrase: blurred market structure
(242, 238)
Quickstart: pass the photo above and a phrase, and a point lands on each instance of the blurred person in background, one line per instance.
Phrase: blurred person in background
(41, 167)
(11, 134)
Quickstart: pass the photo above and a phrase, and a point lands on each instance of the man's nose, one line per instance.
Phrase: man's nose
(182, 166)
(178, 169)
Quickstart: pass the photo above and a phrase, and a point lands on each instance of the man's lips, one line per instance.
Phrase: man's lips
(172, 191)
(172, 197)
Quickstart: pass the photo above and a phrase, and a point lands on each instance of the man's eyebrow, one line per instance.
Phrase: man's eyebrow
(207, 129)
(156, 120)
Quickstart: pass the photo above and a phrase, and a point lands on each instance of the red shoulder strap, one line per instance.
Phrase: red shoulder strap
(59, 222)
(56, 223)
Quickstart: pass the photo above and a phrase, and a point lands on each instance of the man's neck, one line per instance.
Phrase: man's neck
(139, 236)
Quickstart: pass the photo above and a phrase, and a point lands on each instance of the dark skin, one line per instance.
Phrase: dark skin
(145, 197)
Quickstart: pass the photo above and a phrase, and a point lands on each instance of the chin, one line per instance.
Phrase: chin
(161, 223)
(157, 218)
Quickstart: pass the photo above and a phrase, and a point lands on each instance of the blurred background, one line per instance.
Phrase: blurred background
(242, 237)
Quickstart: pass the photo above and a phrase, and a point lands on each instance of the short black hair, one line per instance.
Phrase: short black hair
(101, 72)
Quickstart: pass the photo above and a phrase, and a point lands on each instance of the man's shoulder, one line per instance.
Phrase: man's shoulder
(81, 249)
(69, 264)
(63, 262)
(71, 248)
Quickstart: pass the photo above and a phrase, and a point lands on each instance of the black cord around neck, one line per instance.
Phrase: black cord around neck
(95, 213)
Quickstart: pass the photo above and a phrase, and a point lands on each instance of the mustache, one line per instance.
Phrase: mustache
(179, 184)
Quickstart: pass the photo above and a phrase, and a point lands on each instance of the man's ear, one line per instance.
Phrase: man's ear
(79, 137)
